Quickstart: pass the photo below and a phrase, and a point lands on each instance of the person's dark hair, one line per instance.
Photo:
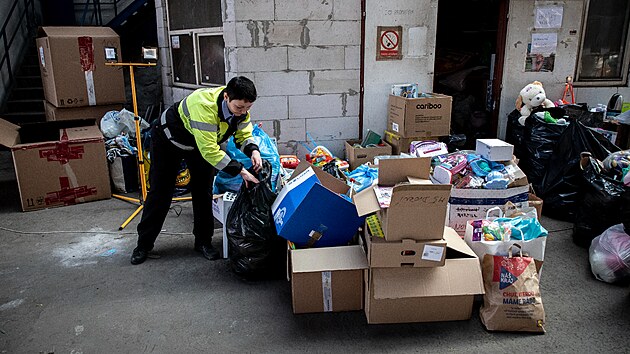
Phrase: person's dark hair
(241, 88)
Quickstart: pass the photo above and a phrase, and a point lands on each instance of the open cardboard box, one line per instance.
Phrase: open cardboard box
(328, 279)
(418, 208)
(57, 163)
(399, 295)
(310, 211)
(358, 156)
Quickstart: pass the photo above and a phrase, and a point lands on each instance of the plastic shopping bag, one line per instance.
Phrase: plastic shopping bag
(609, 255)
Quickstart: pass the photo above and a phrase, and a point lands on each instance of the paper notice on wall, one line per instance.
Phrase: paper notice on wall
(548, 16)
(544, 43)
(175, 42)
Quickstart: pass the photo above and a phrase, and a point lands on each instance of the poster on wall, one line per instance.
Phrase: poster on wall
(541, 52)
(388, 43)
(548, 16)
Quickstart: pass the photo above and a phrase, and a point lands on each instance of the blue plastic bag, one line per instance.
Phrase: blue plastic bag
(525, 229)
(363, 177)
(223, 182)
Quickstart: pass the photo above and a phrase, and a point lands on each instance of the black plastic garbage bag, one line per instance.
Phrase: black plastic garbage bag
(540, 139)
(254, 245)
(601, 206)
(515, 134)
(561, 187)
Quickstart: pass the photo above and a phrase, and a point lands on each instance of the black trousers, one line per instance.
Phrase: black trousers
(165, 165)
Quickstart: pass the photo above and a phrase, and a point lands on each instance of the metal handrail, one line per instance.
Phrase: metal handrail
(94, 8)
(30, 27)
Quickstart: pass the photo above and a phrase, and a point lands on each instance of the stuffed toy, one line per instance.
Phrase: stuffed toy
(531, 97)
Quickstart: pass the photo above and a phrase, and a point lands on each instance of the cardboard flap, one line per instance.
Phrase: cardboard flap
(456, 277)
(413, 195)
(455, 242)
(366, 202)
(416, 180)
(67, 31)
(9, 135)
(328, 259)
(392, 171)
(325, 179)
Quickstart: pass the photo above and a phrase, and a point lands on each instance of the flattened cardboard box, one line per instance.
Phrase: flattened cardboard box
(417, 210)
(401, 295)
(328, 279)
(401, 144)
(358, 156)
(73, 113)
(430, 116)
(406, 253)
(72, 63)
(67, 170)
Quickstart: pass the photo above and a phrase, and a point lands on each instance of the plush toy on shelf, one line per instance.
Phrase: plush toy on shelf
(531, 97)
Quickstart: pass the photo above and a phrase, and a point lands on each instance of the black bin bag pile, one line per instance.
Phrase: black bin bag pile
(255, 249)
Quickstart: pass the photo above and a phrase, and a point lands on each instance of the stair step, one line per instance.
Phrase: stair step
(24, 117)
(28, 81)
(20, 93)
(29, 70)
(24, 105)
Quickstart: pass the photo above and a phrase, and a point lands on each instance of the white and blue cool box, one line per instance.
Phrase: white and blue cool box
(309, 214)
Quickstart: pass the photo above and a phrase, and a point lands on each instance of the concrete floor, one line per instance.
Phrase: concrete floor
(66, 286)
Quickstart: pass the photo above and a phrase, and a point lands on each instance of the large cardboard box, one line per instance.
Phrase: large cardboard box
(328, 279)
(401, 144)
(72, 62)
(57, 167)
(405, 253)
(426, 116)
(73, 113)
(400, 295)
(470, 204)
(358, 156)
(311, 212)
(417, 209)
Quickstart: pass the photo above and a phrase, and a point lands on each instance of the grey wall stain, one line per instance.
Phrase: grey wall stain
(265, 27)
(517, 43)
(344, 104)
(252, 26)
(276, 129)
(311, 84)
(305, 38)
(352, 92)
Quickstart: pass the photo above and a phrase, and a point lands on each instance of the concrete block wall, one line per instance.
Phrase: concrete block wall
(304, 57)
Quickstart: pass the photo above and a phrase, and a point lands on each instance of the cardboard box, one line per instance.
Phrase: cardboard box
(358, 156)
(72, 63)
(57, 167)
(401, 295)
(417, 210)
(494, 149)
(426, 117)
(405, 253)
(310, 211)
(469, 204)
(401, 144)
(73, 113)
(327, 279)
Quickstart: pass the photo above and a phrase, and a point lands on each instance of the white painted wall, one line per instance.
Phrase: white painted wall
(520, 24)
(418, 54)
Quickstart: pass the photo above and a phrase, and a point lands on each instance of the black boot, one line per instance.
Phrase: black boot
(208, 252)
(139, 256)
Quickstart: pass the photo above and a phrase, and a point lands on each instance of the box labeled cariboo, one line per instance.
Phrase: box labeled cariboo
(494, 149)
(57, 164)
(408, 294)
(470, 204)
(357, 156)
(401, 144)
(420, 117)
(311, 212)
(327, 279)
(78, 113)
(417, 208)
(406, 253)
(72, 63)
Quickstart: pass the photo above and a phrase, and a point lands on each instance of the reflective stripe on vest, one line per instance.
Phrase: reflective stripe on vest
(223, 163)
(247, 142)
(169, 136)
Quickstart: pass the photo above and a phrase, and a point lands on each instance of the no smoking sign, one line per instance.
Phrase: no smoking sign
(389, 43)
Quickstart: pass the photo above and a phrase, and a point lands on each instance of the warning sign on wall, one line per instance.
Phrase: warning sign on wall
(389, 43)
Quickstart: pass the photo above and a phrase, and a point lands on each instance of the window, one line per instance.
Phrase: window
(603, 57)
(196, 42)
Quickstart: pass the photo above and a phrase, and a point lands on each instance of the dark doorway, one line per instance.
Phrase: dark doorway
(469, 63)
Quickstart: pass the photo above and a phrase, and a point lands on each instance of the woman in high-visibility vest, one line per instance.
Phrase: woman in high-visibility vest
(195, 129)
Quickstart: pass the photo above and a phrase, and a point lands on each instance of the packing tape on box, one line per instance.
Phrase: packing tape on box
(327, 290)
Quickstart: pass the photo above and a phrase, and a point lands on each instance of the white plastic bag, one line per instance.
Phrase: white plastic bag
(609, 255)
(117, 122)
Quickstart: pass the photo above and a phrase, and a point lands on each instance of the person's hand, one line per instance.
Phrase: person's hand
(248, 177)
(256, 160)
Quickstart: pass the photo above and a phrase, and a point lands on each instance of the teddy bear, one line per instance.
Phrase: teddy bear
(531, 97)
